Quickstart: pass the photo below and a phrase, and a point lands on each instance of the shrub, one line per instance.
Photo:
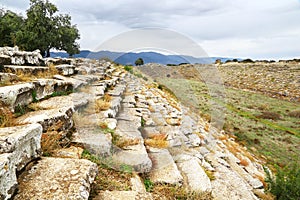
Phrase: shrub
(286, 183)
(248, 60)
(128, 68)
(269, 115)
(295, 113)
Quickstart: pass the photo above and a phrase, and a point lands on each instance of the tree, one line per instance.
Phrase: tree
(44, 29)
(139, 61)
(10, 23)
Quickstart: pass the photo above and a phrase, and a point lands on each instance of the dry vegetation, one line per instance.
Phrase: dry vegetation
(23, 76)
(103, 103)
(6, 116)
(262, 104)
(157, 141)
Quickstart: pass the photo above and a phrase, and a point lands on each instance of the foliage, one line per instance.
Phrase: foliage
(148, 185)
(128, 68)
(143, 122)
(43, 29)
(286, 184)
(139, 61)
(10, 23)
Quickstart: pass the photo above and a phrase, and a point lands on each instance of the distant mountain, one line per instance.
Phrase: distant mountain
(148, 57)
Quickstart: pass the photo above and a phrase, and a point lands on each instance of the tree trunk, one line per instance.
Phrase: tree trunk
(48, 53)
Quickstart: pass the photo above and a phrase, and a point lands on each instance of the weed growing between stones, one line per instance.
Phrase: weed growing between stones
(109, 178)
(6, 116)
(148, 185)
(22, 110)
(169, 191)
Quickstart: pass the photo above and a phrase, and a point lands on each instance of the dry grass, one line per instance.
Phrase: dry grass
(161, 136)
(151, 109)
(107, 97)
(6, 116)
(170, 122)
(27, 76)
(101, 105)
(263, 196)
(170, 192)
(35, 106)
(244, 162)
(103, 125)
(207, 127)
(50, 142)
(81, 121)
(156, 143)
(223, 137)
(123, 143)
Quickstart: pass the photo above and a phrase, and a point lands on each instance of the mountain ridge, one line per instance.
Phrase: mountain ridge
(129, 58)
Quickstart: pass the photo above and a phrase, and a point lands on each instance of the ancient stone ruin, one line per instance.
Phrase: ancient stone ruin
(96, 106)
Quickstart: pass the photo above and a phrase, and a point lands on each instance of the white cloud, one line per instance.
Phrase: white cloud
(235, 28)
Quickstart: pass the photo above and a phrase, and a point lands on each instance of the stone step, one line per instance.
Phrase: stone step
(74, 101)
(117, 91)
(14, 95)
(7, 77)
(194, 175)
(135, 156)
(88, 78)
(65, 69)
(164, 169)
(228, 184)
(17, 57)
(75, 82)
(123, 195)
(49, 118)
(114, 108)
(46, 87)
(132, 155)
(19, 145)
(32, 70)
(26, 93)
(57, 178)
(94, 140)
(8, 174)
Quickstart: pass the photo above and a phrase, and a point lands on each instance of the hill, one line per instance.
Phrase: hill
(148, 57)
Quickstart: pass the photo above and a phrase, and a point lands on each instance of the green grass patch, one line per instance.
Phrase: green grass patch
(276, 138)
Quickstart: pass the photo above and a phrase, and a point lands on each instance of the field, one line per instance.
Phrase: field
(261, 116)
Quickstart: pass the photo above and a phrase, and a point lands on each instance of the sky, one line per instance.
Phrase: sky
(257, 29)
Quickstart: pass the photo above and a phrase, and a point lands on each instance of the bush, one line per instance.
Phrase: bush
(128, 68)
(286, 184)
(269, 115)
(295, 113)
(248, 60)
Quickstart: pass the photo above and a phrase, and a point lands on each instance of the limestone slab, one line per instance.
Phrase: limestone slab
(164, 169)
(48, 118)
(24, 142)
(8, 177)
(135, 156)
(57, 178)
(197, 179)
(93, 140)
(14, 95)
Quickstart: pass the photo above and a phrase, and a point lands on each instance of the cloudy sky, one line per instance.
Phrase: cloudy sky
(258, 29)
